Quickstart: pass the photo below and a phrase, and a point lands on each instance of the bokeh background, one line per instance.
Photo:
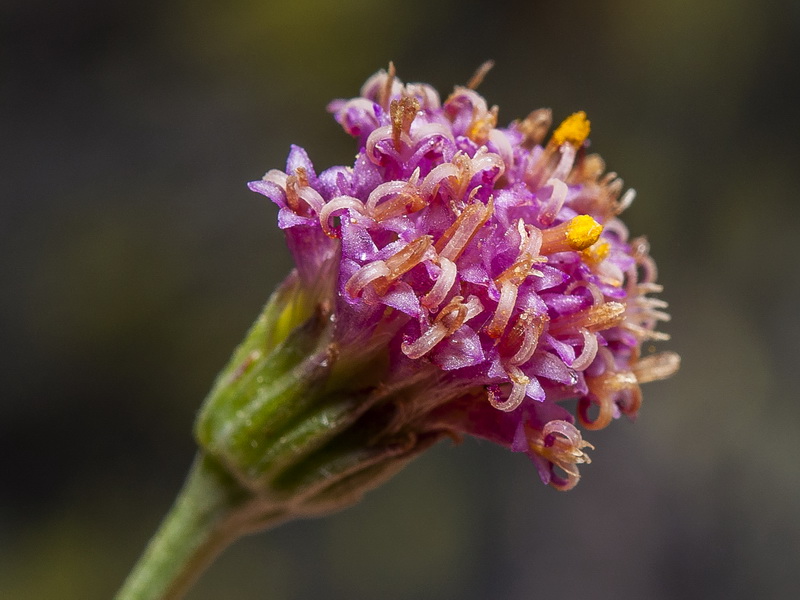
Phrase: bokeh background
(134, 258)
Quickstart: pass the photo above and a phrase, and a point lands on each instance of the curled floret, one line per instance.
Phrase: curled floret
(561, 445)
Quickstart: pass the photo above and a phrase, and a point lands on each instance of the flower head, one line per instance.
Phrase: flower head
(475, 276)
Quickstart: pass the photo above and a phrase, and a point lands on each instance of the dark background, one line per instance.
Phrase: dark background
(133, 258)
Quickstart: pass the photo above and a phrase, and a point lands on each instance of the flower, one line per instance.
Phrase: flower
(474, 276)
(458, 279)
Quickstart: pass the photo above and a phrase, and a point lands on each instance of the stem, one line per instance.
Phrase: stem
(211, 511)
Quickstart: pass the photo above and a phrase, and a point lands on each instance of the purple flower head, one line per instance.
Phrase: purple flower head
(485, 267)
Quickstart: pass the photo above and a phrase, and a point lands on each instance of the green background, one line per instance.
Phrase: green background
(133, 258)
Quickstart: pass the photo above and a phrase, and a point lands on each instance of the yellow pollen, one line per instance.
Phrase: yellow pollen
(582, 232)
(574, 129)
(596, 253)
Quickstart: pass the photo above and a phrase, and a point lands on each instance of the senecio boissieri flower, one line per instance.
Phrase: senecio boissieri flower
(487, 265)
(459, 278)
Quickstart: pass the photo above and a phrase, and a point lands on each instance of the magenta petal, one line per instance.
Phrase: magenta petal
(460, 350)
(534, 390)
(549, 366)
(298, 158)
(402, 297)
(270, 190)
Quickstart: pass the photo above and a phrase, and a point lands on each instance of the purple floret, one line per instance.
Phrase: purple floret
(482, 259)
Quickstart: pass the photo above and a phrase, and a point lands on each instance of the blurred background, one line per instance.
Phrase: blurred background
(134, 258)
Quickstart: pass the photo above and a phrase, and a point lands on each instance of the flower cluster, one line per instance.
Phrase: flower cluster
(486, 264)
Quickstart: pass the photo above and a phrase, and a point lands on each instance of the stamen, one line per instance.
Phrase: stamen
(552, 206)
(337, 204)
(656, 367)
(513, 277)
(463, 99)
(649, 269)
(535, 126)
(564, 166)
(405, 199)
(574, 129)
(442, 285)
(596, 253)
(480, 73)
(514, 399)
(649, 288)
(610, 188)
(625, 202)
(404, 203)
(595, 318)
(447, 322)
(402, 113)
(587, 355)
(643, 315)
(425, 343)
(602, 390)
(631, 402)
(648, 309)
(457, 237)
(456, 313)
(297, 188)
(378, 135)
(428, 96)
(643, 333)
(576, 234)
(404, 260)
(588, 170)
(381, 274)
(433, 180)
(486, 161)
(504, 149)
(597, 295)
(523, 337)
(464, 165)
(529, 248)
(459, 172)
(364, 276)
(560, 443)
(482, 125)
(505, 306)
(386, 93)
(604, 414)
(292, 198)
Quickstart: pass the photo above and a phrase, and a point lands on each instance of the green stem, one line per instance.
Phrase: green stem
(211, 511)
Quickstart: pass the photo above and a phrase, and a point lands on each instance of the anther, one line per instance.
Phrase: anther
(480, 73)
(656, 367)
(457, 237)
(595, 318)
(576, 234)
(402, 112)
(509, 280)
(446, 323)
(535, 126)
